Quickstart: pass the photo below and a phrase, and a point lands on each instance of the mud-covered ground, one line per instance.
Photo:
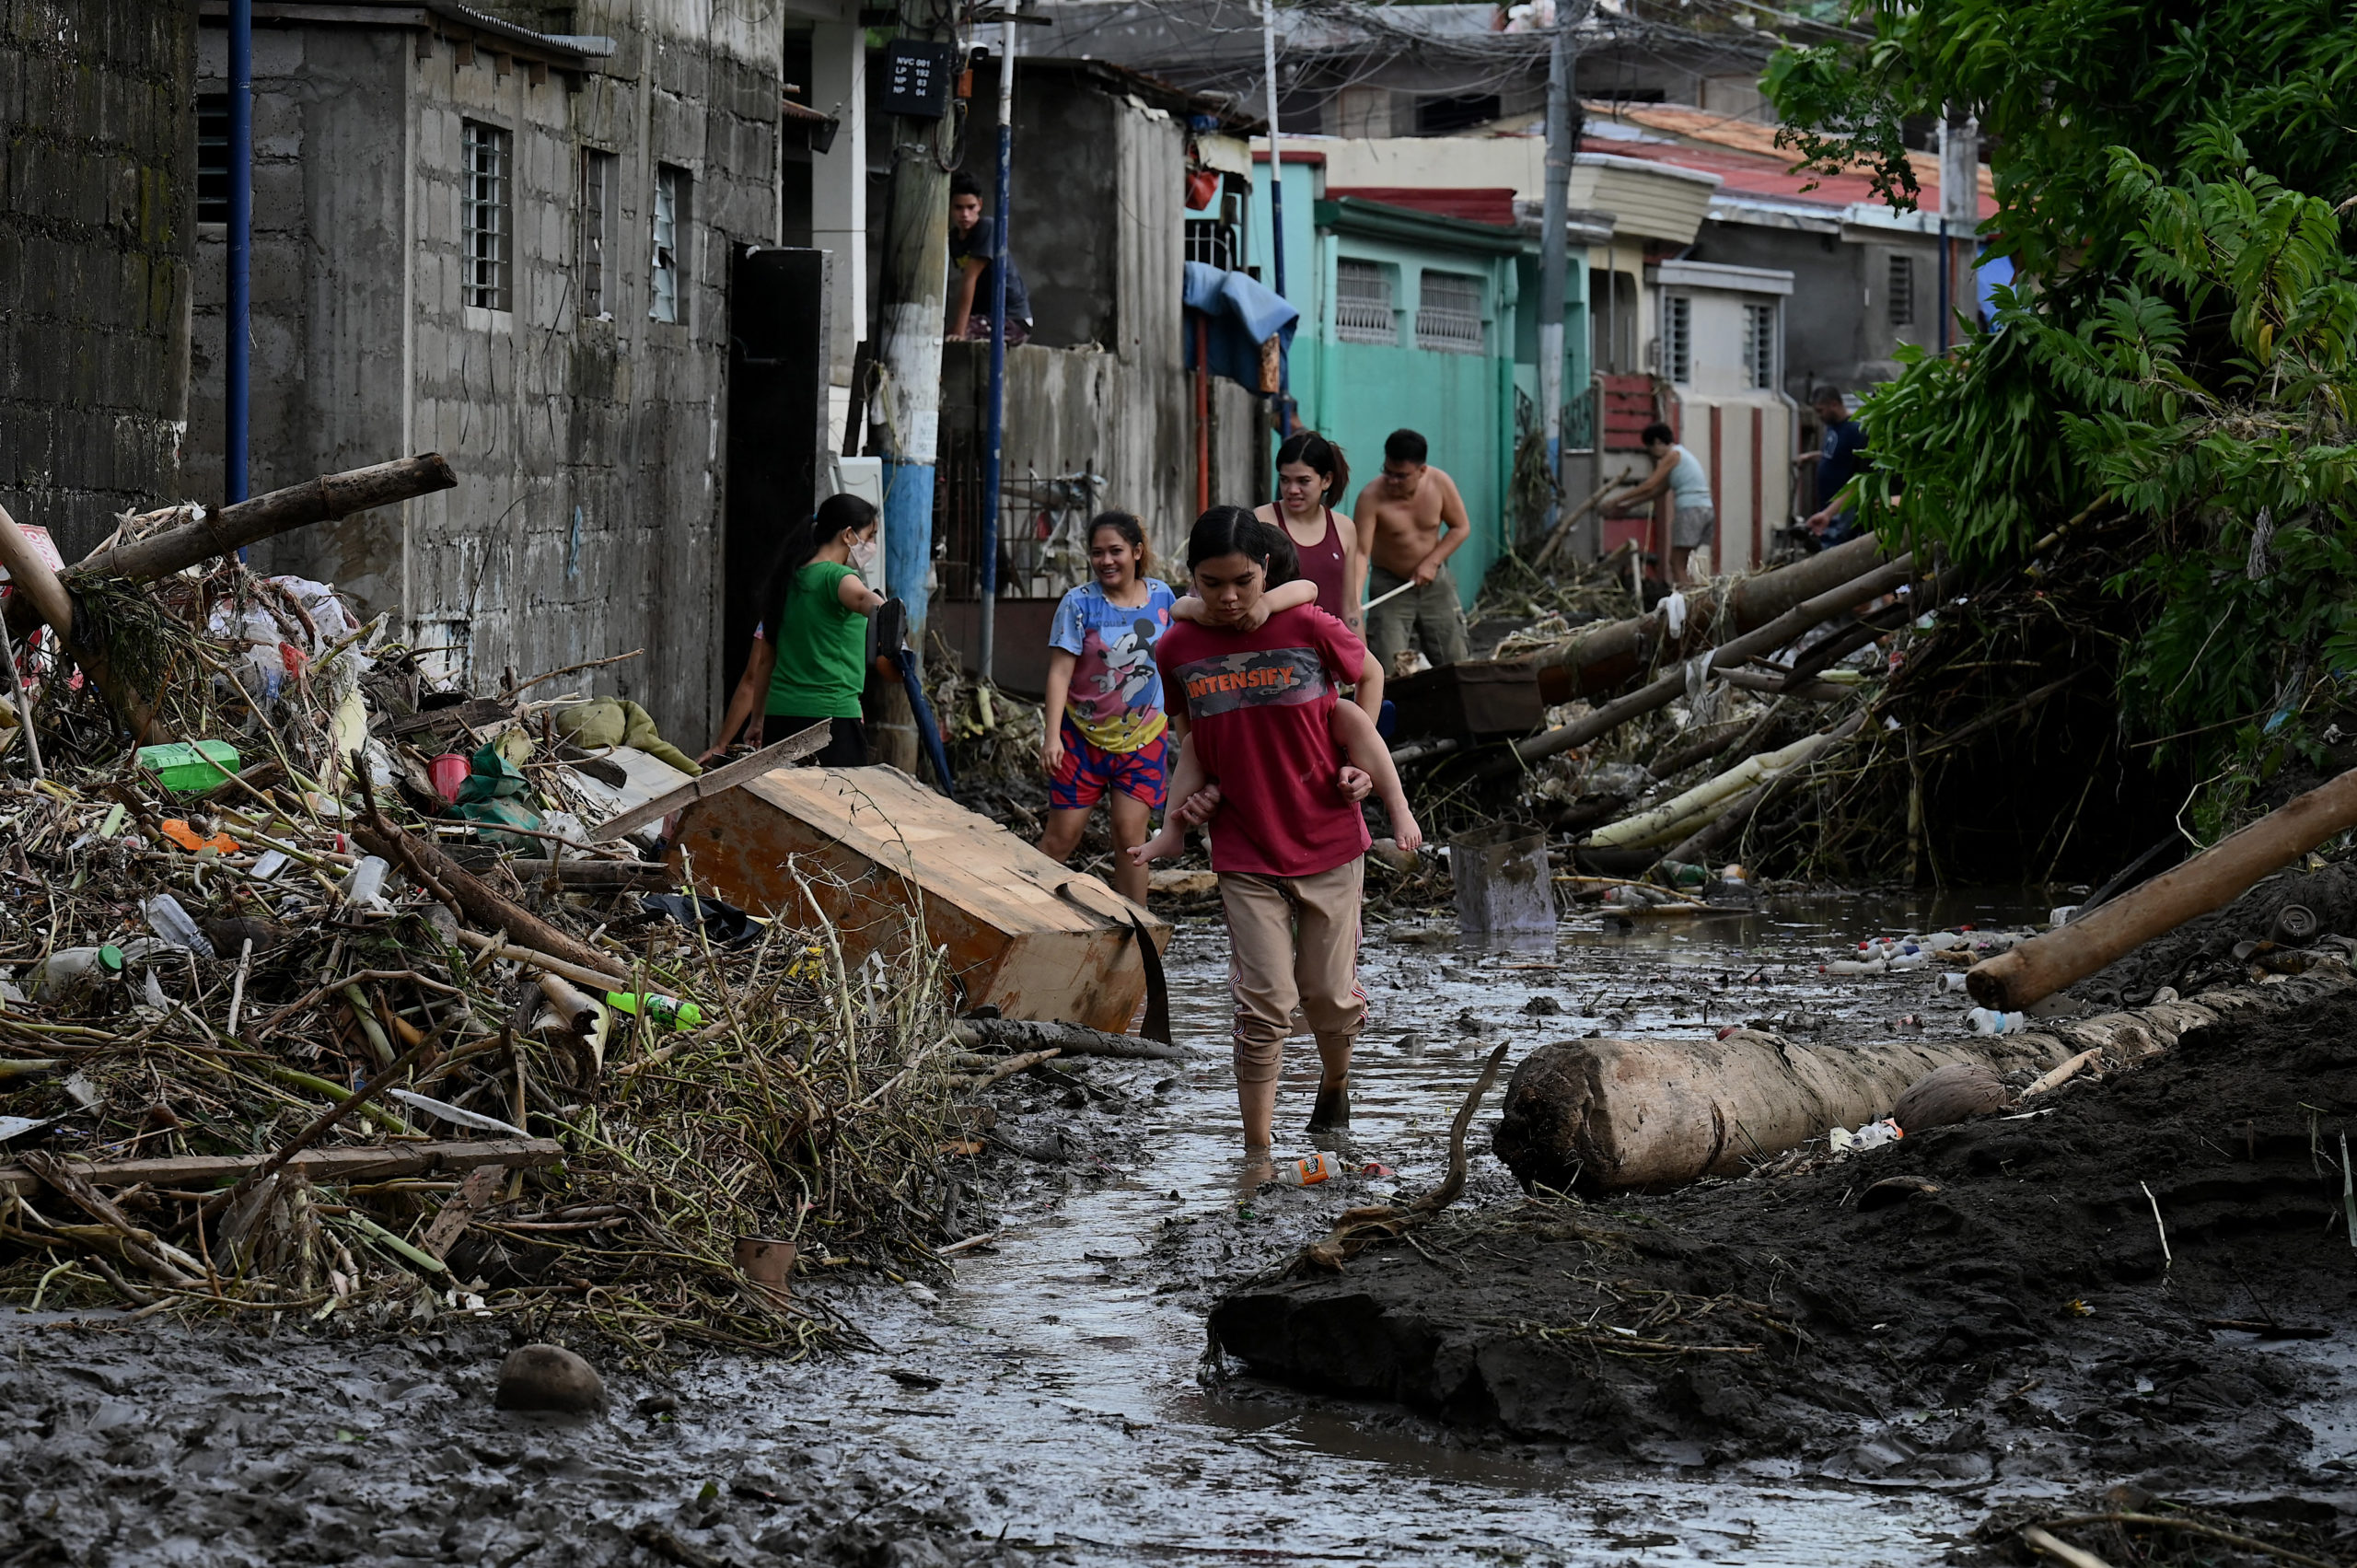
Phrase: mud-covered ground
(1983, 1304)
(1053, 1400)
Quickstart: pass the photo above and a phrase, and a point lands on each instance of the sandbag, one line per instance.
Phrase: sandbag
(1603, 1115)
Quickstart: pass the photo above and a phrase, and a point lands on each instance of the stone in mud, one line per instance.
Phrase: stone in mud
(549, 1378)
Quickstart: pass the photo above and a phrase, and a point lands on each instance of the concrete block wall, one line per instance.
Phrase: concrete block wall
(97, 190)
(587, 520)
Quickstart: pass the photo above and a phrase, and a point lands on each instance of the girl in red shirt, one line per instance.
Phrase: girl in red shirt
(1258, 704)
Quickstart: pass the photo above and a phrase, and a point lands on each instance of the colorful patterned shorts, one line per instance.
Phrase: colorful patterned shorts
(1089, 770)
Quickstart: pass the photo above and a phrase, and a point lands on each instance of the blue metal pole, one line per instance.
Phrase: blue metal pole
(990, 462)
(237, 329)
(1276, 209)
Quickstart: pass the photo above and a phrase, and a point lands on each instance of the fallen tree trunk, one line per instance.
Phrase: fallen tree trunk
(45, 597)
(1601, 657)
(233, 528)
(1604, 1115)
(2039, 968)
(1073, 1039)
(1670, 687)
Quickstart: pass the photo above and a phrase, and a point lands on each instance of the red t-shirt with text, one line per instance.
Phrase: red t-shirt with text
(1260, 707)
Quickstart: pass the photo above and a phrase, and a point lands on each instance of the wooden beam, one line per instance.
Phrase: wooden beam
(769, 759)
(376, 1162)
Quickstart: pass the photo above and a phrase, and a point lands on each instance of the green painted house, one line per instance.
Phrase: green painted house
(1413, 318)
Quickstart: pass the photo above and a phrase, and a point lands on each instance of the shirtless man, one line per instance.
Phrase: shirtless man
(1410, 521)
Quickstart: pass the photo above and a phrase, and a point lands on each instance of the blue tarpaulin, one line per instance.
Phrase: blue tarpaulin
(1243, 314)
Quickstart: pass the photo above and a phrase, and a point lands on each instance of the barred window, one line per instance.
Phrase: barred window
(486, 221)
(1678, 338)
(1363, 312)
(1449, 314)
(597, 229)
(213, 158)
(1903, 291)
(1759, 345)
(671, 190)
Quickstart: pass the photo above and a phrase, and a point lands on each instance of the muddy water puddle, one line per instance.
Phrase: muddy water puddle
(1073, 1413)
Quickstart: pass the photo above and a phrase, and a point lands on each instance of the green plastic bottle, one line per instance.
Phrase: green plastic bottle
(668, 1011)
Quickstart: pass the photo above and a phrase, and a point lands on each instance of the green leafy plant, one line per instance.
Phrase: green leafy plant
(2179, 362)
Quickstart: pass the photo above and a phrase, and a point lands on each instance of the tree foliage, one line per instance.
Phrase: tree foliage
(2183, 348)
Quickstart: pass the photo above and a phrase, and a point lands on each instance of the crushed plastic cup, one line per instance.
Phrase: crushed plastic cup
(267, 864)
(1951, 980)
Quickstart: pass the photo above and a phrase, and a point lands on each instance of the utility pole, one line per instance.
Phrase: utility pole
(1276, 209)
(1959, 218)
(996, 453)
(1563, 145)
(905, 414)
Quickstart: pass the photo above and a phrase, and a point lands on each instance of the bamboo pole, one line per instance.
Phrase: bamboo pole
(2039, 968)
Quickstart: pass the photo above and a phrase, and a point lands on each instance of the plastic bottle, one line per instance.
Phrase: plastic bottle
(69, 969)
(668, 1011)
(364, 883)
(1952, 979)
(1309, 1172)
(168, 921)
(1985, 1022)
(1856, 965)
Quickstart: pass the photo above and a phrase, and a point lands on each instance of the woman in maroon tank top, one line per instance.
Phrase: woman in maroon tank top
(1310, 469)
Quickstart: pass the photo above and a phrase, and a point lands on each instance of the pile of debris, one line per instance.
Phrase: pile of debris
(367, 998)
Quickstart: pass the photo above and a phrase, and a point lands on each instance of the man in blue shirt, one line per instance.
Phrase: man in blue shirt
(973, 247)
(1838, 462)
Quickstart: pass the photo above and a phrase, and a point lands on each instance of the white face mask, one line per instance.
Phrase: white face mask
(863, 554)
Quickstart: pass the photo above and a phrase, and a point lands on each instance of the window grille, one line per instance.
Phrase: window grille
(486, 216)
(1759, 345)
(671, 224)
(597, 229)
(213, 158)
(1678, 338)
(1363, 311)
(1449, 314)
(1211, 242)
(1903, 291)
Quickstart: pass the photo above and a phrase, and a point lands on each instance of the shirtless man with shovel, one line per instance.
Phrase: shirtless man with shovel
(1411, 521)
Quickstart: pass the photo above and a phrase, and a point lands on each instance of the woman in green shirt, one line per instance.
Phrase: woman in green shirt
(810, 659)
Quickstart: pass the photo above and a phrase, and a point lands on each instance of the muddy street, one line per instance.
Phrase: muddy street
(1053, 1401)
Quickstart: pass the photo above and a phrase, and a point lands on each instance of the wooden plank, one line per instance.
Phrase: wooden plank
(329, 1165)
(792, 750)
(474, 1195)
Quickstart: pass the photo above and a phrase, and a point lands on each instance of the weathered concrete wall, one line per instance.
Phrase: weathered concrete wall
(98, 194)
(1837, 321)
(588, 516)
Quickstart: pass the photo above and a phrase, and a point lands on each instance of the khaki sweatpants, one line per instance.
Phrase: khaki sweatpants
(1294, 940)
(1429, 617)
